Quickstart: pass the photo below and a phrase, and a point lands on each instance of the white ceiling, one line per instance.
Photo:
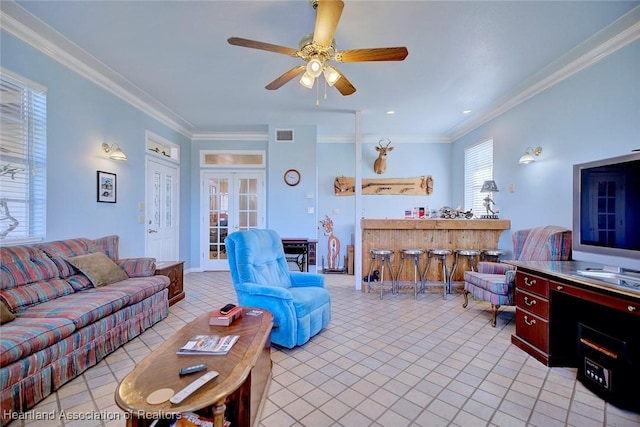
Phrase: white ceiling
(479, 55)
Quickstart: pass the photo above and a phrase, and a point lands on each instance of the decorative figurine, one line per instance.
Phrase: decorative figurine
(333, 245)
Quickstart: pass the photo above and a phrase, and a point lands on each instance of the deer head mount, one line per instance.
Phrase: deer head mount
(380, 165)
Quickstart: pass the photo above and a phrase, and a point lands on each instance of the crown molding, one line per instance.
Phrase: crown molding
(612, 38)
(42, 37)
(374, 139)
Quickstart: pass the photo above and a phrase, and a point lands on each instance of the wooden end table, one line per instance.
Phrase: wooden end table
(236, 395)
(174, 271)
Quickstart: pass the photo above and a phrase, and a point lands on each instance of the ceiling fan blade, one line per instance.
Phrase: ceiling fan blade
(375, 54)
(253, 44)
(343, 85)
(286, 77)
(327, 16)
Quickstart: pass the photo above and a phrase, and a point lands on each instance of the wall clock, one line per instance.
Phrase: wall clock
(292, 177)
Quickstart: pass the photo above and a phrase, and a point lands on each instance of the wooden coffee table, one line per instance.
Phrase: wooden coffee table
(236, 395)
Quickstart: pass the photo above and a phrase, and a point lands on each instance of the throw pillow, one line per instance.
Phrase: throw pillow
(98, 268)
(6, 315)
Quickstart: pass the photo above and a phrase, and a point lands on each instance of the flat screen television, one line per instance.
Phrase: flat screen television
(606, 211)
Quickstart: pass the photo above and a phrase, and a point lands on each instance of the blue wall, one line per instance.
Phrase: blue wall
(594, 114)
(81, 116)
(591, 115)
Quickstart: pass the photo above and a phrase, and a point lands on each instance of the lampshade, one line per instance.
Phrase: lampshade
(489, 186)
(527, 157)
(314, 67)
(331, 75)
(114, 149)
(307, 81)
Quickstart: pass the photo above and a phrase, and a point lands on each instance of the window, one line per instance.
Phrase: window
(478, 167)
(23, 168)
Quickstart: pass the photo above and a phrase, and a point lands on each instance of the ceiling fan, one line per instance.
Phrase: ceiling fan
(318, 48)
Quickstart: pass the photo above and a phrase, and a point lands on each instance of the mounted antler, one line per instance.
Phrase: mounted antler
(380, 165)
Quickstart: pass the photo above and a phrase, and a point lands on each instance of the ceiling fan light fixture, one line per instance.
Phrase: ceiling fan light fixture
(307, 80)
(331, 75)
(314, 67)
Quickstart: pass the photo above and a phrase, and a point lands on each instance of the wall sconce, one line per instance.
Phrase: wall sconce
(527, 157)
(114, 149)
(489, 186)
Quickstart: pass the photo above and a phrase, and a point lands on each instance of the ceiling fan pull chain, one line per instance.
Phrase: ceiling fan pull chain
(325, 89)
(318, 94)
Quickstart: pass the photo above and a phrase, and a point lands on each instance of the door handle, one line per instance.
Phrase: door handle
(151, 230)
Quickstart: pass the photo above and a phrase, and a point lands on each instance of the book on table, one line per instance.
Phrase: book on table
(219, 319)
(209, 345)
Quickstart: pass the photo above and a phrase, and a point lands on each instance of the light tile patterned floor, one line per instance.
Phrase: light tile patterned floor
(391, 362)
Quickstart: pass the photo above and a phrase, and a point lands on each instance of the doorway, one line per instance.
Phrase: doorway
(161, 210)
(232, 201)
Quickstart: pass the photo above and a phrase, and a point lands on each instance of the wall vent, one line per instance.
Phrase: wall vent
(284, 135)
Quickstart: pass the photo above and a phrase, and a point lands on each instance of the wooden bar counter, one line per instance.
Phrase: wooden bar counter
(398, 234)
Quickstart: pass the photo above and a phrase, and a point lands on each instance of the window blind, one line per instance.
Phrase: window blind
(478, 167)
(23, 143)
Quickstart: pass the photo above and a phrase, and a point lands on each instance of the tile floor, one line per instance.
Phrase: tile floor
(391, 362)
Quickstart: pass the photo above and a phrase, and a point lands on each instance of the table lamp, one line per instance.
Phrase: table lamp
(489, 186)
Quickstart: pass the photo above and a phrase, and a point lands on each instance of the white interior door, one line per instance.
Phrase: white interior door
(232, 201)
(161, 211)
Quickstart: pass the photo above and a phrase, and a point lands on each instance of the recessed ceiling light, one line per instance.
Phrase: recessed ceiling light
(390, 112)
(466, 112)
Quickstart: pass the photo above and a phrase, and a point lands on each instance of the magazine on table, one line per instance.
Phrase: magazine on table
(209, 344)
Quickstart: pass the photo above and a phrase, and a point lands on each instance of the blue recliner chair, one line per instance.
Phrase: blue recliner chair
(299, 302)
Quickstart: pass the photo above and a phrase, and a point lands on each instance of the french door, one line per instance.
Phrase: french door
(232, 201)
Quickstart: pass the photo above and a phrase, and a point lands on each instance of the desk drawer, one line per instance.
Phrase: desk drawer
(532, 303)
(533, 329)
(532, 283)
(625, 305)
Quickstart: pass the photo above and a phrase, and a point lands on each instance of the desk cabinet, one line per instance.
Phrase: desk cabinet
(532, 315)
(174, 271)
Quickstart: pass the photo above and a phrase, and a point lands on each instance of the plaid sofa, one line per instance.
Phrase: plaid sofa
(63, 324)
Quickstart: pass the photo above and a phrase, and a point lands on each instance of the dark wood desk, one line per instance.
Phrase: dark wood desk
(301, 251)
(552, 298)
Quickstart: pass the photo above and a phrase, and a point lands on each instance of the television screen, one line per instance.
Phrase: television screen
(609, 206)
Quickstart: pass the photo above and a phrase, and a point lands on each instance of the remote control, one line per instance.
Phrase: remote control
(227, 308)
(188, 390)
(193, 369)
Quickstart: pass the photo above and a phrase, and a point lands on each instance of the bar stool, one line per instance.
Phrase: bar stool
(492, 254)
(469, 253)
(382, 256)
(415, 254)
(440, 254)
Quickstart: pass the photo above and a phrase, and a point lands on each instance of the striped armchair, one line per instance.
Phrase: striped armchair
(494, 282)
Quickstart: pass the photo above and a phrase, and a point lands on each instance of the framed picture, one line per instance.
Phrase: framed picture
(106, 187)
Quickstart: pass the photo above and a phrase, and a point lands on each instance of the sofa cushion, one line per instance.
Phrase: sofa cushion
(25, 336)
(6, 315)
(138, 289)
(98, 268)
(82, 308)
(109, 244)
(138, 267)
(493, 283)
(24, 264)
(59, 250)
(21, 297)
